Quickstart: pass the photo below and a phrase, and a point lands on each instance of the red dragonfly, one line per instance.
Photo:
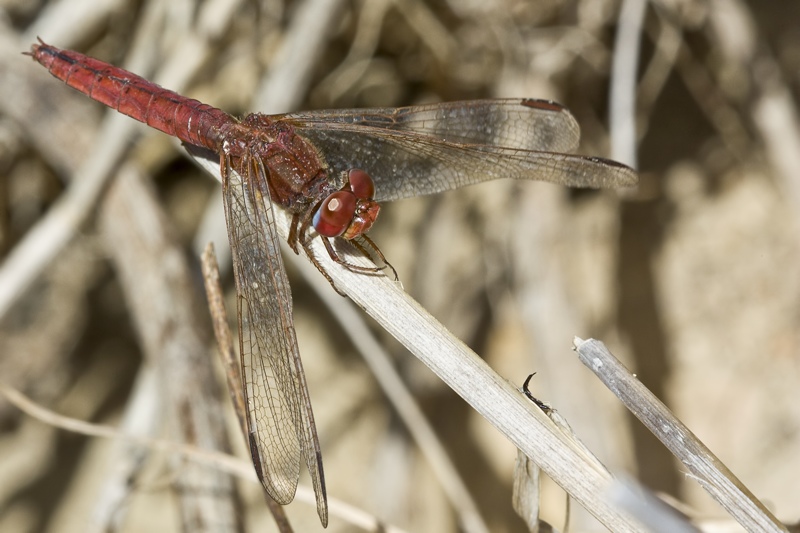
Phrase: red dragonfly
(329, 169)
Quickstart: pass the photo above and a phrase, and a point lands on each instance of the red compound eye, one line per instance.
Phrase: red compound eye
(361, 184)
(335, 214)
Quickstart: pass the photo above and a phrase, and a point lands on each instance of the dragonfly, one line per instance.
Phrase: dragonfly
(330, 169)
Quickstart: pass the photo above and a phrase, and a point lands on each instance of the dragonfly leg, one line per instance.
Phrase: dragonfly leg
(376, 251)
(350, 266)
(310, 255)
(294, 233)
(301, 222)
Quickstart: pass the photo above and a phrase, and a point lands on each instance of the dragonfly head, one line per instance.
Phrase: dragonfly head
(350, 211)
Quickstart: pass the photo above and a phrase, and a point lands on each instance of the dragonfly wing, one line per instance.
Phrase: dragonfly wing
(405, 164)
(514, 123)
(279, 417)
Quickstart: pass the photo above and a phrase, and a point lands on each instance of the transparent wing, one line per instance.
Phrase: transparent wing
(423, 150)
(516, 123)
(279, 417)
(403, 165)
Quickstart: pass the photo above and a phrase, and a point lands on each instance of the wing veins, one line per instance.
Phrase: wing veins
(280, 417)
(405, 164)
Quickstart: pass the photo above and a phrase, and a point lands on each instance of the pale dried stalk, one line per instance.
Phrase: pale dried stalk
(379, 363)
(468, 375)
(623, 82)
(291, 71)
(156, 279)
(219, 318)
(24, 264)
(213, 459)
(41, 245)
(706, 468)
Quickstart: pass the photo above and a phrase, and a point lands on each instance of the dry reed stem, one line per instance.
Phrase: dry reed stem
(216, 460)
(494, 398)
(702, 464)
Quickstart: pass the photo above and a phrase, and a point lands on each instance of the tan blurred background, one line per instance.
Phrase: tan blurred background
(692, 279)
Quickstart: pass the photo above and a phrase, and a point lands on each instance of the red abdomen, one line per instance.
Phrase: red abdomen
(189, 120)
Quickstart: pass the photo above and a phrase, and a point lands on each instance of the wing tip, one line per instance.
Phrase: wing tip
(321, 493)
(627, 176)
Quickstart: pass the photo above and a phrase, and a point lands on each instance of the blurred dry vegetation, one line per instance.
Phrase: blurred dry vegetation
(692, 278)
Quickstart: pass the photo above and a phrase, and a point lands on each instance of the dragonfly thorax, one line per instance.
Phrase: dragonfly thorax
(275, 156)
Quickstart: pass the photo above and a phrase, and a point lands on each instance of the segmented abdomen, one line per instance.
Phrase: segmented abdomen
(189, 120)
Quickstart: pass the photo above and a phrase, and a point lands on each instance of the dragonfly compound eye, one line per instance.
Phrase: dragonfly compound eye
(361, 184)
(335, 214)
